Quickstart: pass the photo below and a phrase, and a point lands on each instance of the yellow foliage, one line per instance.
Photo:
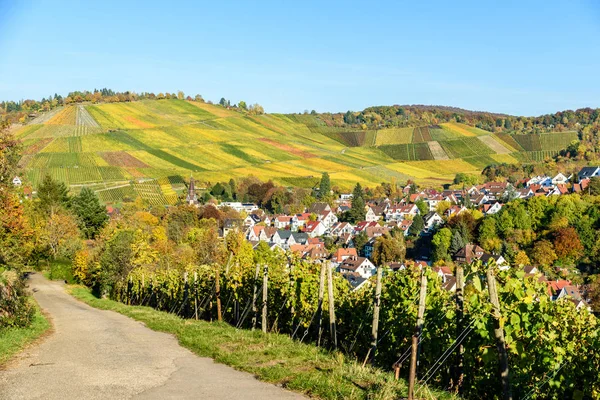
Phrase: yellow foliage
(80, 265)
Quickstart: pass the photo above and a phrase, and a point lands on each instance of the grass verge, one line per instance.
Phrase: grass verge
(272, 357)
(13, 340)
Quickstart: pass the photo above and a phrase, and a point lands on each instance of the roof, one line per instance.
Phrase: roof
(340, 254)
(587, 172)
(354, 279)
(353, 263)
(310, 226)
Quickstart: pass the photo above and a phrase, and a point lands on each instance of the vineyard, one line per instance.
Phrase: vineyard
(550, 345)
(150, 140)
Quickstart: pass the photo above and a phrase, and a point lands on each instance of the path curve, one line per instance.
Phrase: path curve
(97, 354)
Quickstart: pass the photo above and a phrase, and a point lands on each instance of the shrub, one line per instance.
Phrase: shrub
(15, 309)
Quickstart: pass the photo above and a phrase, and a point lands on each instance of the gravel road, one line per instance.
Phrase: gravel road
(96, 354)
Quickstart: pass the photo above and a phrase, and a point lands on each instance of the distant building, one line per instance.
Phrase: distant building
(192, 199)
(17, 181)
(588, 172)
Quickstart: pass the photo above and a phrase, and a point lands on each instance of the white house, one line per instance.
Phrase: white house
(328, 218)
(432, 220)
(17, 181)
(282, 221)
(371, 216)
(560, 178)
(489, 209)
(315, 228)
(361, 265)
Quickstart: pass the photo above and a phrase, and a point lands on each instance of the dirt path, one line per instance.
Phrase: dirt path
(96, 354)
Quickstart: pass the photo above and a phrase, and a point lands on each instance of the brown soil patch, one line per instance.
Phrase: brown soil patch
(137, 122)
(122, 159)
(289, 149)
(37, 146)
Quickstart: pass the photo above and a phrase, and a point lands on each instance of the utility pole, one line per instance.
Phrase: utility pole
(499, 334)
(414, 357)
(332, 327)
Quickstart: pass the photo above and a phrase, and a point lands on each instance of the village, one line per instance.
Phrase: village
(309, 235)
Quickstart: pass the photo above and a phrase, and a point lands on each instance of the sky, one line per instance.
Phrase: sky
(516, 57)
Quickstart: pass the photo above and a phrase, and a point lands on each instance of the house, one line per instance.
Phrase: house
(560, 179)
(266, 234)
(361, 265)
(432, 220)
(581, 186)
(282, 221)
(231, 224)
(368, 248)
(340, 228)
(498, 259)
(355, 280)
(319, 208)
(371, 215)
(376, 231)
(555, 287)
(491, 208)
(254, 233)
(342, 255)
(315, 228)
(363, 225)
(283, 238)
(400, 212)
(454, 210)
(345, 196)
(468, 254)
(558, 190)
(239, 207)
(405, 225)
(328, 218)
(588, 172)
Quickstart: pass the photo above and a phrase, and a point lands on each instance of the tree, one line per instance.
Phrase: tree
(223, 102)
(360, 240)
(543, 253)
(457, 243)
(52, 195)
(388, 248)
(61, 234)
(595, 186)
(441, 244)
(521, 259)
(242, 105)
(417, 226)
(567, 244)
(91, 214)
(357, 211)
(422, 206)
(358, 191)
(180, 95)
(9, 156)
(324, 186)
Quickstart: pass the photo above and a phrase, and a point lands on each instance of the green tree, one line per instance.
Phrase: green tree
(52, 195)
(417, 226)
(422, 206)
(90, 213)
(457, 243)
(360, 240)
(358, 191)
(388, 248)
(242, 105)
(441, 244)
(357, 211)
(595, 186)
(324, 186)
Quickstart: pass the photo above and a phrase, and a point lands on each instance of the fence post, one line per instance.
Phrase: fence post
(196, 294)
(218, 294)
(264, 297)
(376, 305)
(320, 306)
(499, 334)
(460, 285)
(414, 357)
(332, 326)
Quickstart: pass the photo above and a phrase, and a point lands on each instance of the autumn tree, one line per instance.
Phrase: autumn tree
(567, 244)
(543, 253)
(441, 244)
(389, 248)
(61, 234)
(324, 186)
(52, 195)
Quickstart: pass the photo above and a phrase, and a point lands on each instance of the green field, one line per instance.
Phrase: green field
(150, 148)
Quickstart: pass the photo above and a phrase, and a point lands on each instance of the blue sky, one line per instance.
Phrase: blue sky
(518, 57)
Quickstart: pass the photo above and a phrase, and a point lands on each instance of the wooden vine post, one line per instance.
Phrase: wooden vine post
(376, 306)
(218, 293)
(499, 334)
(186, 294)
(320, 306)
(332, 326)
(196, 294)
(414, 357)
(254, 296)
(264, 297)
(460, 312)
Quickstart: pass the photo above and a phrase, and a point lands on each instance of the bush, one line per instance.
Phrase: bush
(15, 309)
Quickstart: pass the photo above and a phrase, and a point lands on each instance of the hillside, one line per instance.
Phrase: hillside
(149, 148)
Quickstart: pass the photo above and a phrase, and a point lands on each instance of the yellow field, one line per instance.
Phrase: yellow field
(463, 130)
(169, 138)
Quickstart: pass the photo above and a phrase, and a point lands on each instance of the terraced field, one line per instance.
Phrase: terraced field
(150, 148)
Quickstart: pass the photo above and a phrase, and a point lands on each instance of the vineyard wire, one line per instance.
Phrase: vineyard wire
(539, 385)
